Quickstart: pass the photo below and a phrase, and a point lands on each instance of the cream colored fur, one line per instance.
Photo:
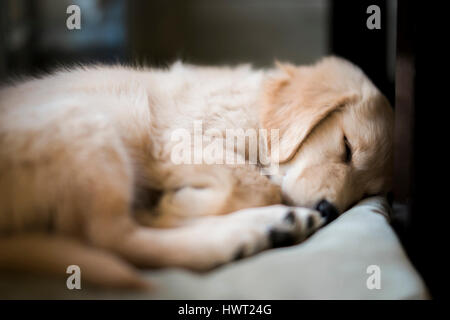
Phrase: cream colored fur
(83, 149)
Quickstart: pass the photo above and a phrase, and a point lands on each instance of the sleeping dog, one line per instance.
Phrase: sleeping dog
(87, 175)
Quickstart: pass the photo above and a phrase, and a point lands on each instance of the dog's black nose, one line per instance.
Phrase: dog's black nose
(328, 211)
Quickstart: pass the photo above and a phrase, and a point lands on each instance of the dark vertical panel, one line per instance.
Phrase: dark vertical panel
(351, 39)
(404, 118)
(421, 138)
(2, 39)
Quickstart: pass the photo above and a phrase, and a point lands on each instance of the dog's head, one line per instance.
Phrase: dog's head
(335, 130)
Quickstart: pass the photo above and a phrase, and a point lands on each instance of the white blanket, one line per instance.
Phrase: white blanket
(332, 264)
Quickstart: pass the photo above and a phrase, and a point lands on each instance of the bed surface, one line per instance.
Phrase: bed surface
(331, 264)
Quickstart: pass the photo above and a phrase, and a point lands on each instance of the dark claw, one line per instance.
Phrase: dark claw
(310, 222)
(281, 238)
(290, 217)
(239, 254)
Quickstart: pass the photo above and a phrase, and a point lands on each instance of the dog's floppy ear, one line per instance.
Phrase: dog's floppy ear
(295, 100)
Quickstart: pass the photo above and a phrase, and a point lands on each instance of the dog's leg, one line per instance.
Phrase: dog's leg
(212, 241)
(41, 253)
(208, 190)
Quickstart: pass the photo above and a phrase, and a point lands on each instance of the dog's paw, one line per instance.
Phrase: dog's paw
(249, 231)
(273, 227)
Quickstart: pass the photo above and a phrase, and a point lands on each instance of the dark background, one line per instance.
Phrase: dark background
(34, 39)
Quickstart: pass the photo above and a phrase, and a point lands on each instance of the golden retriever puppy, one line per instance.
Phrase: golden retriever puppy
(336, 134)
(89, 175)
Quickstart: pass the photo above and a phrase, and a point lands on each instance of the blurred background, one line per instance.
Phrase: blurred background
(35, 39)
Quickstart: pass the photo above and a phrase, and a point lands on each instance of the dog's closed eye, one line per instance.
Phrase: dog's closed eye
(348, 151)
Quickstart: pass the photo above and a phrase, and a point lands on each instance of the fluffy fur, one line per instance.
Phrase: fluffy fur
(85, 155)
